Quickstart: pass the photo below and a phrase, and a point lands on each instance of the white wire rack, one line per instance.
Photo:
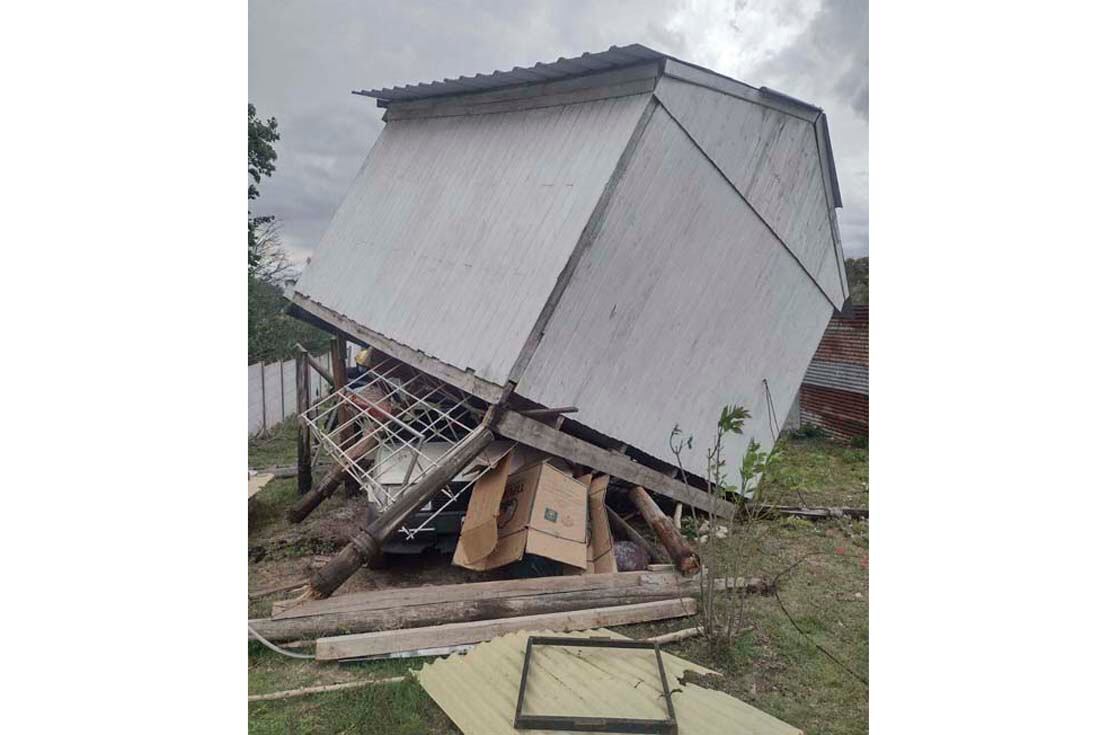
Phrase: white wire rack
(392, 425)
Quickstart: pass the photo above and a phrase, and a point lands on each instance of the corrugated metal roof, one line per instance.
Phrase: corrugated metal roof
(478, 690)
(616, 57)
(587, 63)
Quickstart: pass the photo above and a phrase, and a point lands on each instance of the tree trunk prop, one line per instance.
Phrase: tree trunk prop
(328, 484)
(366, 545)
(683, 556)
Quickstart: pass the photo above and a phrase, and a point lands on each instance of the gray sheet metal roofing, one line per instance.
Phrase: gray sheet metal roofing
(614, 58)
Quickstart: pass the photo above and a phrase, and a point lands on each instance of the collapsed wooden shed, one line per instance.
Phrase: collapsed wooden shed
(622, 232)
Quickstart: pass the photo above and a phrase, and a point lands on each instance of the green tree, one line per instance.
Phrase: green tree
(858, 271)
(261, 151)
(266, 258)
(272, 333)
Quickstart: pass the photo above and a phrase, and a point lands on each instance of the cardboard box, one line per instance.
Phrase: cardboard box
(601, 556)
(538, 510)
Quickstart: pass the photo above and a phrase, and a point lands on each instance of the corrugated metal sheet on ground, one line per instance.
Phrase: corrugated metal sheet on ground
(478, 691)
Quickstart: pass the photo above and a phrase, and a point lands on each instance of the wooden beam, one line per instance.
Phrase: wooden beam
(313, 363)
(547, 439)
(483, 608)
(498, 589)
(382, 642)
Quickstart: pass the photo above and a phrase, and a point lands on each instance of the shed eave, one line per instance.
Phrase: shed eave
(465, 380)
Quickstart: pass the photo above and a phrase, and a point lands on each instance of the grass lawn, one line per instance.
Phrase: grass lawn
(773, 667)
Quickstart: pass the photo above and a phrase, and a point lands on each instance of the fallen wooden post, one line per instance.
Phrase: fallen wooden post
(390, 609)
(313, 498)
(320, 689)
(538, 435)
(538, 413)
(329, 483)
(625, 529)
(367, 544)
(683, 556)
(384, 642)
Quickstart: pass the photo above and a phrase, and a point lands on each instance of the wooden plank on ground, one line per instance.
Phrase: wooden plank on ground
(547, 439)
(411, 596)
(390, 641)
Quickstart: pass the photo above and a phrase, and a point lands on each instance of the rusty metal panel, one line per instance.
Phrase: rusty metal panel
(456, 229)
(841, 414)
(835, 390)
(846, 338)
(685, 302)
(478, 691)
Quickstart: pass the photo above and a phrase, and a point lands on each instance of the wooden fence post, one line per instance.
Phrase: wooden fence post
(305, 474)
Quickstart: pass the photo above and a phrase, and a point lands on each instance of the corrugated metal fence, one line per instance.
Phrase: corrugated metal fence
(835, 390)
(273, 390)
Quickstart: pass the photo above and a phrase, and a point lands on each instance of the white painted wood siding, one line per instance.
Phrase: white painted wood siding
(772, 158)
(684, 303)
(455, 230)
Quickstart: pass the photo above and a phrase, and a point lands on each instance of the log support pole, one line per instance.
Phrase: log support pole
(305, 472)
(683, 556)
(309, 502)
(366, 545)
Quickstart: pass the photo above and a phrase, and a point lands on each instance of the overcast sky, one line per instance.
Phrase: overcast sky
(305, 57)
